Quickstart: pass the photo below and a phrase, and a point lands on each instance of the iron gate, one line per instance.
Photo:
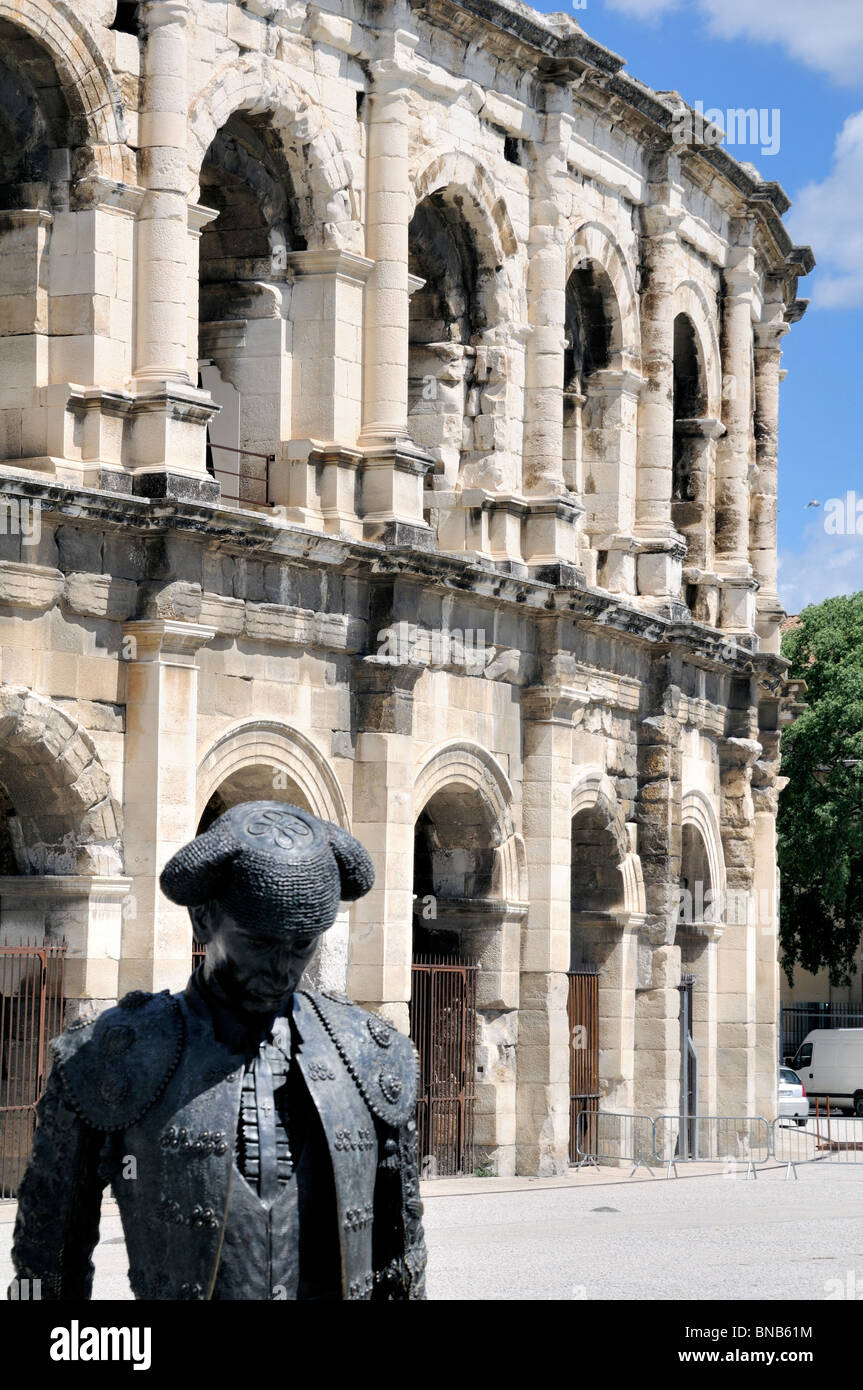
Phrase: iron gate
(31, 1014)
(583, 1013)
(443, 1029)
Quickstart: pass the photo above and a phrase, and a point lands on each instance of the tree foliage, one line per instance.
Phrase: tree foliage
(820, 827)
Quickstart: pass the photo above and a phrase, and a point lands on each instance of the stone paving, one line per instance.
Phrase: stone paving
(606, 1236)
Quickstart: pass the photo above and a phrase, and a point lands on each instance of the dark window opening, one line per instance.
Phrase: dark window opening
(126, 18)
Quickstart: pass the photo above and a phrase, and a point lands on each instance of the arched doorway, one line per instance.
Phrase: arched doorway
(699, 929)
(244, 334)
(61, 892)
(606, 907)
(468, 908)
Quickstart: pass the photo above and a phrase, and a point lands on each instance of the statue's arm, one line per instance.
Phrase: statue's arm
(399, 1249)
(59, 1202)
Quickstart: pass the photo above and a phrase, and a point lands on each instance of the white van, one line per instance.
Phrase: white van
(829, 1062)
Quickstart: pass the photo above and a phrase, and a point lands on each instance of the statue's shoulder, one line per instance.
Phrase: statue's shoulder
(382, 1061)
(115, 1067)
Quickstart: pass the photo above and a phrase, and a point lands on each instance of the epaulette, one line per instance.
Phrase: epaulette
(381, 1060)
(116, 1067)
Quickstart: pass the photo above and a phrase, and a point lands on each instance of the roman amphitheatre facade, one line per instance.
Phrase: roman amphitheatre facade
(388, 425)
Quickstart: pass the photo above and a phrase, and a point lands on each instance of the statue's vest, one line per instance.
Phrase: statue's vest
(153, 1070)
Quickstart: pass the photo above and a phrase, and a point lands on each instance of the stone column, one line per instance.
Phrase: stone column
(160, 780)
(735, 453)
(737, 969)
(394, 469)
(542, 1096)
(381, 945)
(659, 562)
(170, 415)
(163, 220)
(762, 516)
(549, 531)
(766, 785)
(657, 1007)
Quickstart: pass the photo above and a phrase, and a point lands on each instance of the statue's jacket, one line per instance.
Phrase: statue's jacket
(147, 1098)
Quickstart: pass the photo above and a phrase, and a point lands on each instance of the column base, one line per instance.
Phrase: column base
(391, 494)
(549, 534)
(177, 487)
(659, 566)
(769, 617)
(737, 606)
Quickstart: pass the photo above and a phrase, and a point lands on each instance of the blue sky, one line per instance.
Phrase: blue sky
(805, 60)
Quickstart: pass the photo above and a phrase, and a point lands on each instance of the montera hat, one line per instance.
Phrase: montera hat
(273, 867)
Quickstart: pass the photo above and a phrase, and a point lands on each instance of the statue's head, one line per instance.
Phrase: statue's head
(262, 885)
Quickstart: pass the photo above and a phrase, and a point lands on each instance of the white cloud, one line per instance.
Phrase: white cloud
(824, 567)
(829, 216)
(827, 36)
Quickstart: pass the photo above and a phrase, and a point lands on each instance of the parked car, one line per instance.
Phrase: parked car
(829, 1062)
(793, 1104)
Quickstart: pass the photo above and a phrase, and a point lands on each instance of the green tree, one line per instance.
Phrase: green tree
(820, 827)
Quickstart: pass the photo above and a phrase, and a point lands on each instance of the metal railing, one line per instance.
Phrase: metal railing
(253, 489)
(799, 1019)
(824, 1138)
(605, 1137)
(725, 1139)
(31, 1014)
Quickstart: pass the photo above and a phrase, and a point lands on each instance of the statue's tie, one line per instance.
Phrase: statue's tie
(265, 1106)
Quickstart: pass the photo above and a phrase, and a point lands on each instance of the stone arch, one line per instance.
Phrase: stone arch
(467, 766)
(327, 205)
(593, 242)
(85, 77)
(594, 791)
(256, 743)
(698, 812)
(482, 207)
(66, 820)
(691, 300)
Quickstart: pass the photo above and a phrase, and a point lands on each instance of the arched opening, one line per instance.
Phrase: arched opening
(40, 154)
(455, 862)
(587, 350)
(699, 918)
(446, 313)
(244, 335)
(691, 502)
(602, 968)
(456, 373)
(456, 921)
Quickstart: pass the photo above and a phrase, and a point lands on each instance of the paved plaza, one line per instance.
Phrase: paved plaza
(602, 1236)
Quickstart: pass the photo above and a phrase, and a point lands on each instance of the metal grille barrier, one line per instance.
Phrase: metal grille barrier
(31, 1014)
(800, 1019)
(443, 1029)
(605, 1137)
(726, 1139)
(824, 1139)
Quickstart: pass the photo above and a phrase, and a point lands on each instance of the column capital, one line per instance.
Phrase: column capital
(552, 704)
(662, 220)
(157, 639)
(155, 14)
(342, 265)
(393, 68)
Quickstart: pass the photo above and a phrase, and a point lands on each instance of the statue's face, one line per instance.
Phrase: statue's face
(253, 971)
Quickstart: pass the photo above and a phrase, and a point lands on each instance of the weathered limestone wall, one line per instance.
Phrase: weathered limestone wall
(494, 581)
